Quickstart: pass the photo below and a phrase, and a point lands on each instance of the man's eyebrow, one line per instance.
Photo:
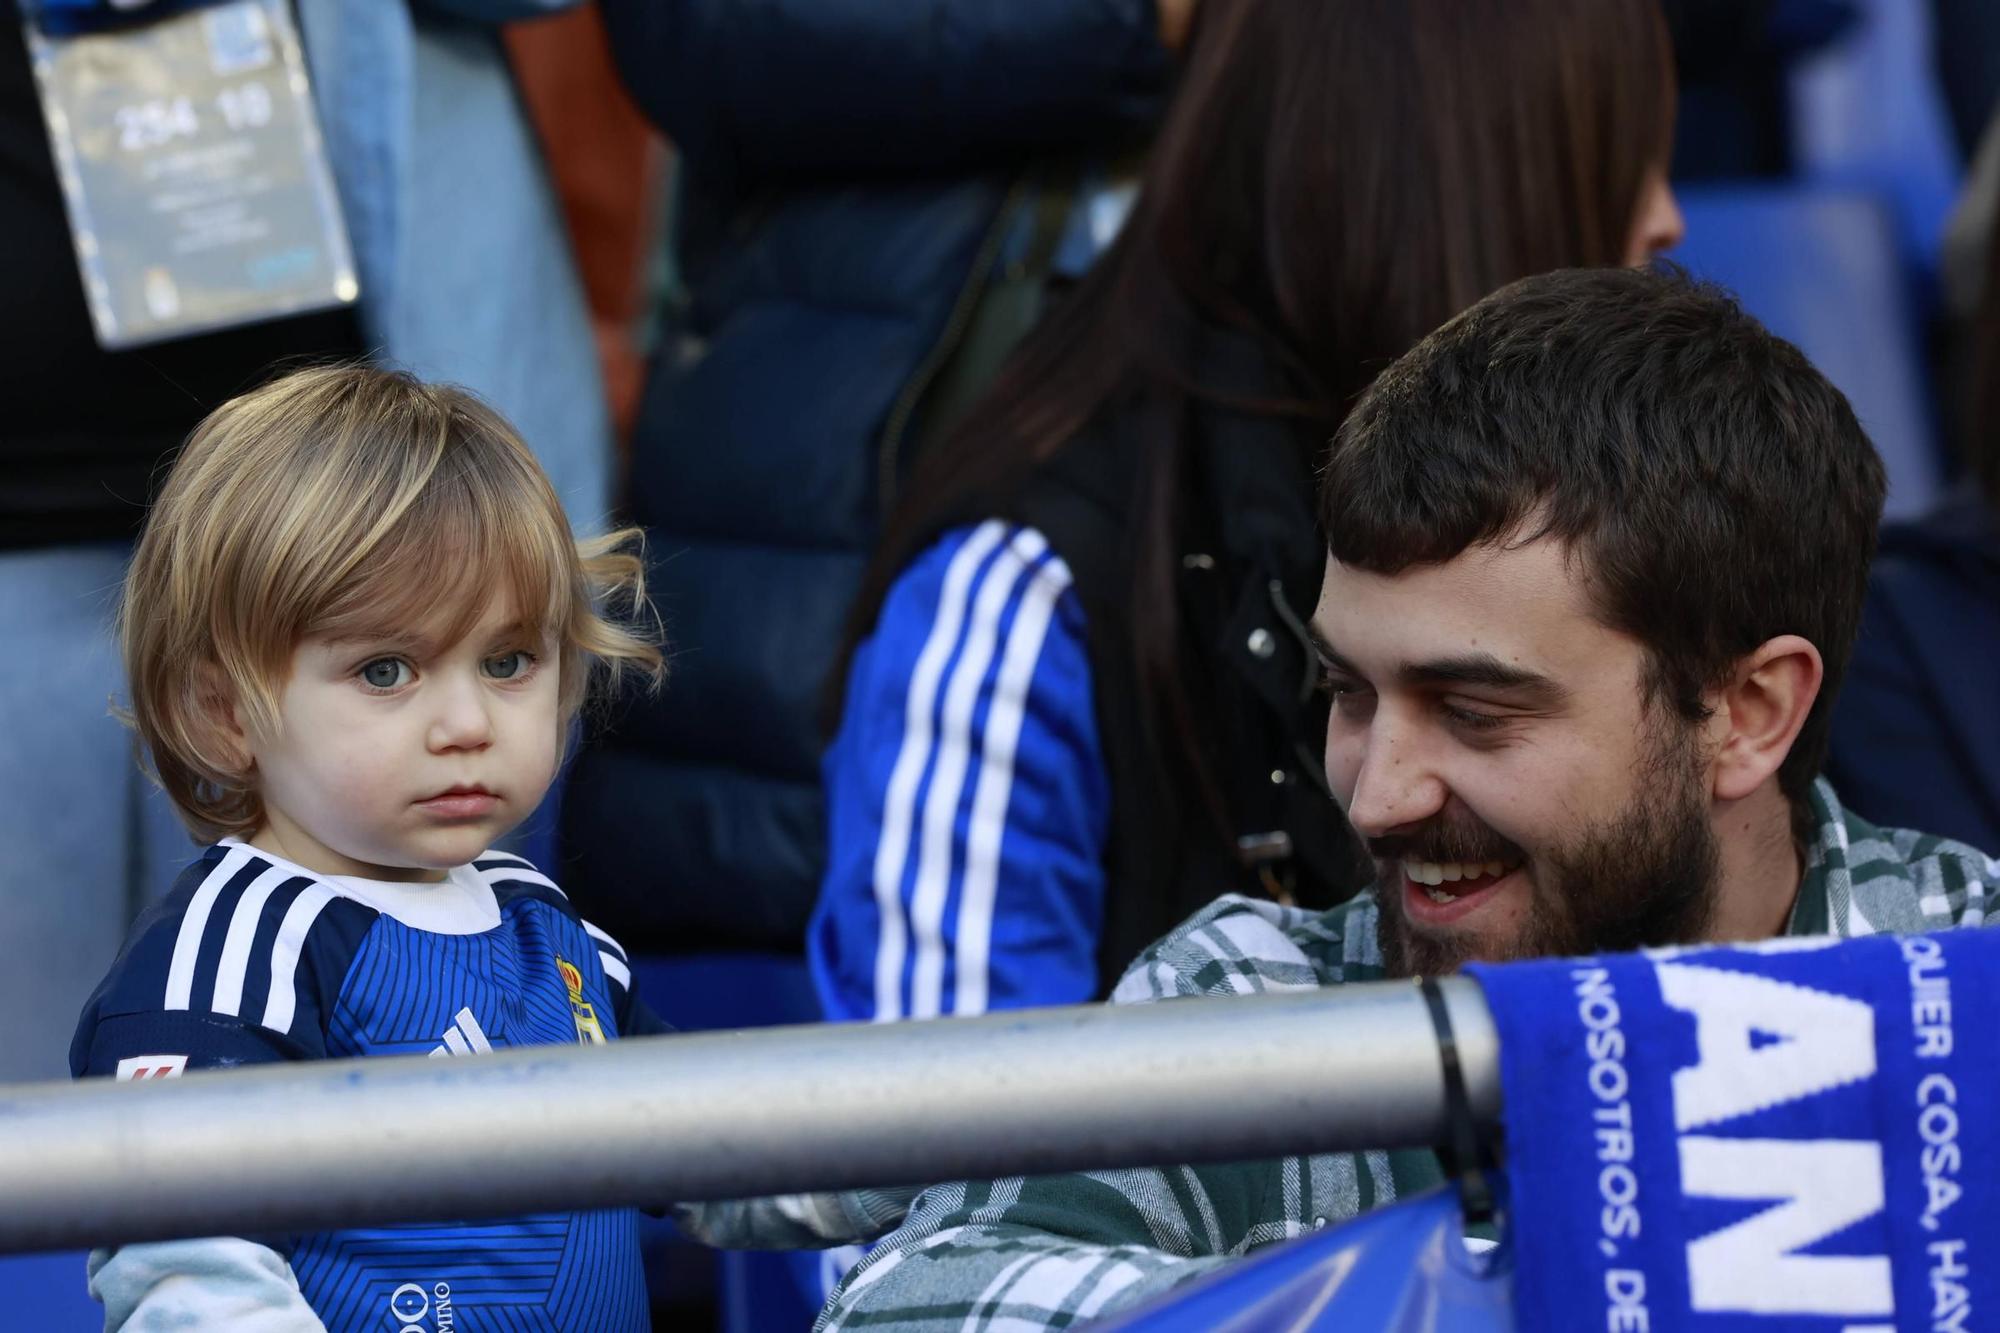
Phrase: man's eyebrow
(1483, 669)
(1328, 656)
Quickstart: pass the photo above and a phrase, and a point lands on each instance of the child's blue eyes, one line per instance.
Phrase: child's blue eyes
(392, 673)
(509, 666)
(385, 673)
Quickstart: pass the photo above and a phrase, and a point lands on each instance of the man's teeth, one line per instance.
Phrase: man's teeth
(1430, 874)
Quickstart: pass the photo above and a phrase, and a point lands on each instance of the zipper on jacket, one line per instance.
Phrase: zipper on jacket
(956, 325)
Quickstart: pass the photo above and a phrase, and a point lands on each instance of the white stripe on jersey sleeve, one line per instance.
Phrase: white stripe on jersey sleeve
(519, 872)
(194, 924)
(604, 939)
(243, 924)
(282, 1006)
(954, 756)
(899, 802)
(614, 967)
(995, 785)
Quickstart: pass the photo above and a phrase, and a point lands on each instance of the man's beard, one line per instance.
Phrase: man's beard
(1647, 876)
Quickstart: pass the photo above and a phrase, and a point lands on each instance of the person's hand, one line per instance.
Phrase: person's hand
(1176, 17)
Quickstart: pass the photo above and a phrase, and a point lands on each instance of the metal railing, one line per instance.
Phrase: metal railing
(733, 1115)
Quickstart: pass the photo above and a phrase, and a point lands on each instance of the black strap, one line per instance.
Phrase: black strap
(1465, 1155)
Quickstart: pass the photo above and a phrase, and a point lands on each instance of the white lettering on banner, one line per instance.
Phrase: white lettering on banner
(1818, 1187)
(1822, 1187)
(1937, 1126)
(1930, 996)
(1823, 1041)
(1951, 1300)
(1627, 1289)
(1617, 1181)
(1940, 1158)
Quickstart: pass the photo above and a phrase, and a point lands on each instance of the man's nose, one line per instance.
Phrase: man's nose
(1396, 786)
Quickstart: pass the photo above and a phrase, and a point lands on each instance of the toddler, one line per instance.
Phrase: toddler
(356, 631)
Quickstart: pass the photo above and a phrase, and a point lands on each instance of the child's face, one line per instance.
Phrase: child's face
(399, 758)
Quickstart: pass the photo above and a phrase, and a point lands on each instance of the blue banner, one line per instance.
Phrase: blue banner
(1796, 1136)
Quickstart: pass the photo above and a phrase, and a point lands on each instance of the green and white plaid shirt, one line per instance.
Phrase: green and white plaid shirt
(1056, 1251)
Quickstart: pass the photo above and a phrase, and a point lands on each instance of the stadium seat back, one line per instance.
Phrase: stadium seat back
(1819, 266)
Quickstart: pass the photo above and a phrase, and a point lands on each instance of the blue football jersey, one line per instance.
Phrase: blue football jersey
(252, 959)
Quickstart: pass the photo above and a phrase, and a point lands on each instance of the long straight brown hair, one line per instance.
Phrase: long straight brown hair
(1334, 179)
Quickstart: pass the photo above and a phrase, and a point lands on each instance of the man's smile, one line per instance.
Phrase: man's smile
(1442, 893)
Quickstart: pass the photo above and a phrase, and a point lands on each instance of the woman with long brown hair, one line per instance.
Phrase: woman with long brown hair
(1078, 700)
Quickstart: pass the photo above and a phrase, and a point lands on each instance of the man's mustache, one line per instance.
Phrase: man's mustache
(1446, 839)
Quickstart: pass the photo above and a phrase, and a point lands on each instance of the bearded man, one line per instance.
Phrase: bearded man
(1597, 551)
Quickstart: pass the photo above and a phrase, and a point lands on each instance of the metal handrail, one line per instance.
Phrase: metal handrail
(342, 1143)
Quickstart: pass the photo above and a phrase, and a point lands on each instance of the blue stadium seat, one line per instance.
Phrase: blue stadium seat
(1820, 266)
(1868, 114)
(46, 1292)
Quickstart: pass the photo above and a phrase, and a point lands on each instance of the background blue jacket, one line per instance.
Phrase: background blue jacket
(466, 273)
(846, 170)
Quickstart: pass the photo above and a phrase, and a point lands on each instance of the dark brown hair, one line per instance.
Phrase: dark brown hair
(1715, 488)
(1334, 179)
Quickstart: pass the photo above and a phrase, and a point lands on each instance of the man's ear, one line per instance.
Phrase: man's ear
(1757, 714)
(217, 719)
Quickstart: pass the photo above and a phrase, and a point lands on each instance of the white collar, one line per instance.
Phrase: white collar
(460, 904)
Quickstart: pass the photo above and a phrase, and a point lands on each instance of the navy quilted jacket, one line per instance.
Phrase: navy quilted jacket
(845, 165)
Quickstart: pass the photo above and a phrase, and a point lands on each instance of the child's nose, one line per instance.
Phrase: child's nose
(462, 721)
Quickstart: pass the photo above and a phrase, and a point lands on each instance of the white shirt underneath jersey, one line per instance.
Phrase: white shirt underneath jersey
(460, 904)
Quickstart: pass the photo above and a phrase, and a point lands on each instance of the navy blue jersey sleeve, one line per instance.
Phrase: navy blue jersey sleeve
(238, 965)
(635, 1017)
(967, 793)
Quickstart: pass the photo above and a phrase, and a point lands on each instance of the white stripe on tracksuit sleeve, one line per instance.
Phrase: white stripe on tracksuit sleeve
(967, 795)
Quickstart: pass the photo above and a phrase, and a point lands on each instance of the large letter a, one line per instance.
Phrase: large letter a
(1820, 1041)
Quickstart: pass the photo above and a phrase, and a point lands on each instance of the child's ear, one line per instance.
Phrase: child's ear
(218, 718)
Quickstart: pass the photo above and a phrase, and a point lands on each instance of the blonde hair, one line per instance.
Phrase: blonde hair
(347, 500)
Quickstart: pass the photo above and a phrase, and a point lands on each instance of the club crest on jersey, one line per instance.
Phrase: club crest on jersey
(588, 1030)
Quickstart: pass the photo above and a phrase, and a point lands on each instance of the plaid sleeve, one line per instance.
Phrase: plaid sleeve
(1048, 1252)
(1052, 1251)
(1246, 946)
(1960, 886)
